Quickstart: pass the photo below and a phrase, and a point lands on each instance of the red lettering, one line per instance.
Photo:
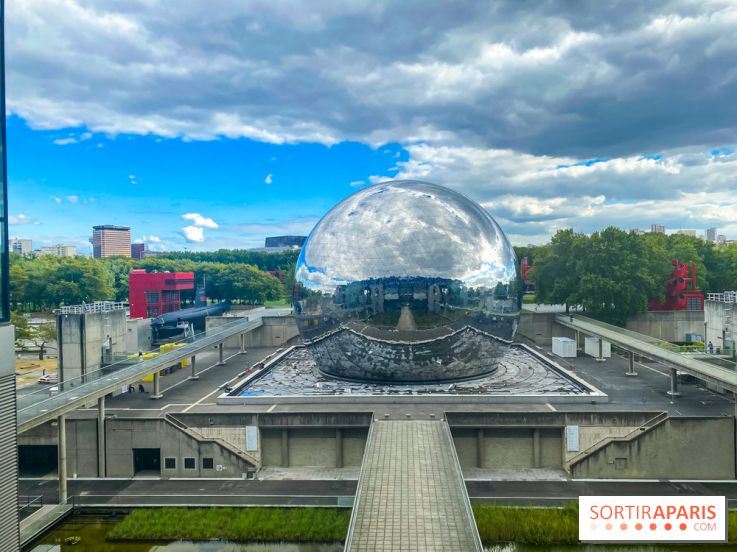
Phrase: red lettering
(695, 512)
(605, 512)
(712, 512)
(618, 512)
(645, 512)
(594, 512)
(682, 512)
(658, 514)
(670, 510)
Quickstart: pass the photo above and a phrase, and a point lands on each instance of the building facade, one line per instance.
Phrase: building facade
(711, 234)
(21, 246)
(9, 527)
(58, 250)
(110, 241)
(138, 250)
(720, 314)
(154, 294)
(284, 241)
(657, 229)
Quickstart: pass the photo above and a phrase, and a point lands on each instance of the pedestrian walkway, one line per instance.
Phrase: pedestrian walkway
(411, 495)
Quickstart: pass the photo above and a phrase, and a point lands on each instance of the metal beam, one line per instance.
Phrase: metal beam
(646, 346)
(62, 457)
(101, 471)
(193, 364)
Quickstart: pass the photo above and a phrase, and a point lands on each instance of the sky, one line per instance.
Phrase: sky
(214, 124)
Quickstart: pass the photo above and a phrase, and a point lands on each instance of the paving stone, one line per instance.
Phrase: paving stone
(412, 495)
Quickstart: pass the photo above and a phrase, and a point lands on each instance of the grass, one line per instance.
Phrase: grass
(527, 299)
(235, 524)
(277, 303)
(542, 526)
(526, 525)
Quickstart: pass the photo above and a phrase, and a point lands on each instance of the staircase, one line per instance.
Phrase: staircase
(252, 459)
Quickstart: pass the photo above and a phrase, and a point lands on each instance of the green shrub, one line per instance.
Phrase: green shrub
(235, 524)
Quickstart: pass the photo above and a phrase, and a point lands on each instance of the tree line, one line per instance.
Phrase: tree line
(614, 274)
(47, 282)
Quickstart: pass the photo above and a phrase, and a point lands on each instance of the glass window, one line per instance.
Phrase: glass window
(152, 297)
(190, 464)
(170, 463)
(207, 463)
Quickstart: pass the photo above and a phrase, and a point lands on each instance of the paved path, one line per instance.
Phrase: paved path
(411, 494)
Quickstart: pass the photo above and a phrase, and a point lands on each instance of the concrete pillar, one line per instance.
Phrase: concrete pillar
(631, 370)
(62, 457)
(101, 437)
(338, 448)
(221, 362)
(193, 364)
(674, 383)
(536, 450)
(578, 339)
(284, 448)
(480, 449)
(243, 344)
(157, 387)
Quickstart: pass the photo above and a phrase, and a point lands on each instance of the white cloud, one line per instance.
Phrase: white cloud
(151, 239)
(193, 234)
(357, 183)
(268, 179)
(56, 199)
(73, 139)
(21, 219)
(73, 198)
(199, 220)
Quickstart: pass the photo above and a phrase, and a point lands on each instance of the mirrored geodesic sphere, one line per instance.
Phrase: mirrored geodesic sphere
(407, 281)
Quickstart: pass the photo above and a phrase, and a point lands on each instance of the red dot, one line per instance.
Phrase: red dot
(623, 527)
(653, 527)
(608, 526)
(668, 527)
(683, 526)
(638, 526)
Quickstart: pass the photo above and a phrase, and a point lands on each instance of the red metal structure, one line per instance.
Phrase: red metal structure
(157, 293)
(525, 266)
(681, 291)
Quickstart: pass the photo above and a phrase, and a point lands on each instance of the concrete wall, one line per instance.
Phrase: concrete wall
(521, 440)
(276, 331)
(138, 336)
(81, 339)
(679, 448)
(668, 325)
(540, 328)
(720, 319)
(318, 447)
(122, 436)
(509, 448)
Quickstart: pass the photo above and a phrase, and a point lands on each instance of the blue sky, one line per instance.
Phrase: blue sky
(149, 183)
(550, 115)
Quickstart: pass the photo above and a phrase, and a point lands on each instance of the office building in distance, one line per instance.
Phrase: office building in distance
(657, 229)
(711, 234)
(58, 250)
(138, 251)
(110, 241)
(284, 241)
(22, 246)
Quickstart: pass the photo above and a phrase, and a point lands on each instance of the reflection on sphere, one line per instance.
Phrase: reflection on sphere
(407, 281)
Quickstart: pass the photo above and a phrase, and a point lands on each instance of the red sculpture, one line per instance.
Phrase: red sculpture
(681, 292)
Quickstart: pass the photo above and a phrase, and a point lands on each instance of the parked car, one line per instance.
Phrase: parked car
(49, 378)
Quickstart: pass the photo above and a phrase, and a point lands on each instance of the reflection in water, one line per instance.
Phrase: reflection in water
(407, 281)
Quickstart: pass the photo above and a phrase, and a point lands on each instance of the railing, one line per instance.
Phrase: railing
(635, 433)
(38, 403)
(43, 518)
(197, 436)
(726, 297)
(135, 500)
(29, 504)
(97, 306)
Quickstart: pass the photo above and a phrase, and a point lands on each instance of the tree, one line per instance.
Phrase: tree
(42, 335)
(22, 330)
(555, 271)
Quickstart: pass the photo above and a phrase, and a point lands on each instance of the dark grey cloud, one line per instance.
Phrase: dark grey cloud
(549, 78)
